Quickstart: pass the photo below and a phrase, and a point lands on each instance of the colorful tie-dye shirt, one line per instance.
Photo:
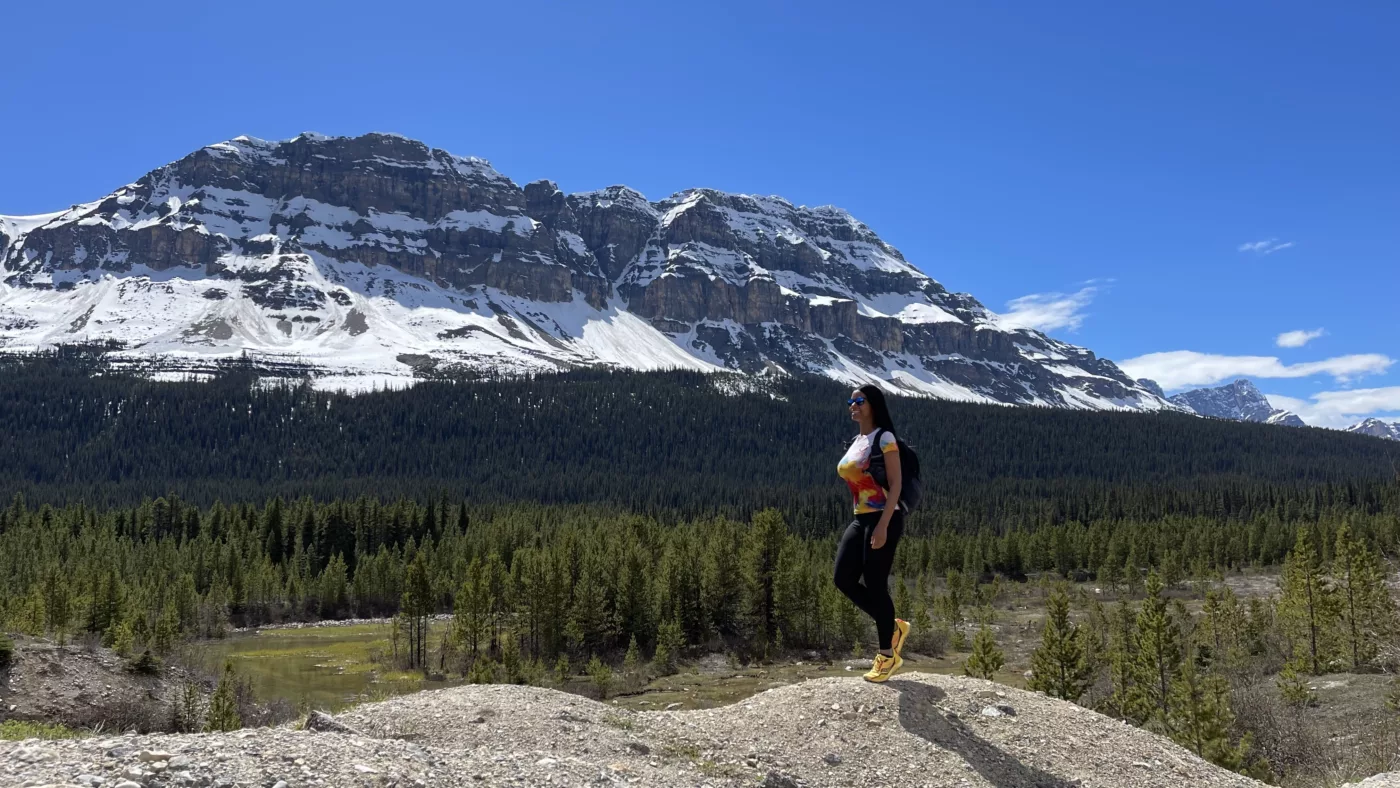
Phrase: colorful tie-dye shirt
(865, 493)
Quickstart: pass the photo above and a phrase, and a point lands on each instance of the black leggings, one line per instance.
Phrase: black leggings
(856, 559)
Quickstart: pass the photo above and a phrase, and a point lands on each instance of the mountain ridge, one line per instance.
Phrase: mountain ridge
(377, 259)
(1240, 400)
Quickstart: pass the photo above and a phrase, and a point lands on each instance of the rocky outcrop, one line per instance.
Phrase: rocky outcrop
(1377, 429)
(434, 256)
(1237, 401)
(915, 730)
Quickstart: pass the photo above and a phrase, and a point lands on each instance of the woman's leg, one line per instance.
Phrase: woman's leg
(877, 580)
(850, 565)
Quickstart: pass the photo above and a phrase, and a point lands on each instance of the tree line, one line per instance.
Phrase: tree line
(670, 445)
(581, 579)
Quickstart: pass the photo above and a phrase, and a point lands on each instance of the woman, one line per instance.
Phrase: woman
(867, 548)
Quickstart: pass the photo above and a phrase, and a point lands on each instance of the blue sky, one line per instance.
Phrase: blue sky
(1174, 186)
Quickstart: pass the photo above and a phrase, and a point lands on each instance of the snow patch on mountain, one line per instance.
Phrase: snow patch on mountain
(377, 259)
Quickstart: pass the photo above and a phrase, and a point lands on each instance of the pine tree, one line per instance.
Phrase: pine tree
(631, 663)
(167, 632)
(669, 643)
(1307, 607)
(57, 603)
(1291, 686)
(590, 625)
(1365, 606)
(1059, 667)
(766, 538)
(1157, 661)
(122, 638)
(601, 675)
(483, 671)
(1201, 717)
(986, 658)
(561, 669)
(471, 610)
(186, 711)
(417, 609)
(145, 665)
(223, 706)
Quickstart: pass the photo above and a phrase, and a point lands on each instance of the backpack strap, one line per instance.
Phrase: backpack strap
(874, 445)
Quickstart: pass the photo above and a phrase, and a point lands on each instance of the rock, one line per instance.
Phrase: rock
(672, 706)
(151, 756)
(363, 769)
(280, 784)
(638, 747)
(325, 723)
(128, 784)
(779, 780)
(832, 758)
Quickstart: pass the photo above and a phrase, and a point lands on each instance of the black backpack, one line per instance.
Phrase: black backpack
(911, 490)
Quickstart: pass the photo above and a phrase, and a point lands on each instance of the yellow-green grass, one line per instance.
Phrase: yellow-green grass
(19, 730)
(320, 667)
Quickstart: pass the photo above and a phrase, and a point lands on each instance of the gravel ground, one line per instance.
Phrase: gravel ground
(917, 730)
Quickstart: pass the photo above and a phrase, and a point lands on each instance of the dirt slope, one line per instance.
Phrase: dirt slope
(917, 730)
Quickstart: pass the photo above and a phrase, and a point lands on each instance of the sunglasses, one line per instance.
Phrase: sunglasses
(856, 401)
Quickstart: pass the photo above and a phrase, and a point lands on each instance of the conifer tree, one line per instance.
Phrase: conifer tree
(1365, 606)
(1157, 660)
(471, 610)
(186, 709)
(1201, 717)
(1292, 687)
(417, 609)
(1307, 606)
(483, 671)
(601, 675)
(631, 662)
(986, 657)
(223, 706)
(57, 603)
(766, 538)
(1059, 667)
(669, 642)
(122, 638)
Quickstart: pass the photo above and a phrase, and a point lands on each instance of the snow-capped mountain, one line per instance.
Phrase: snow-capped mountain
(1238, 401)
(376, 257)
(1377, 429)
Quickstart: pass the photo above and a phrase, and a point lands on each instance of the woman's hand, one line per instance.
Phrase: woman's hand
(877, 537)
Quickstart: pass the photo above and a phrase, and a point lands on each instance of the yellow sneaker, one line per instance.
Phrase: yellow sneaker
(901, 634)
(884, 667)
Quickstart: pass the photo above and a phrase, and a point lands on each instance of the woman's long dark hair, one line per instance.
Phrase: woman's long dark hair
(878, 408)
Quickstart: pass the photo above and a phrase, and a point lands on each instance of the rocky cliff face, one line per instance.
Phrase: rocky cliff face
(351, 254)
(1377, 429)
(1238, 401)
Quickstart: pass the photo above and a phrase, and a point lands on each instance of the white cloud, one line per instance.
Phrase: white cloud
(1297, 338)
(1181, 368)
(1268, 246)
(1339, 409)
(1048, 311)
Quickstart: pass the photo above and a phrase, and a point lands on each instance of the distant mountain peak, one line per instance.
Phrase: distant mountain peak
(1377, 429)
(1239, 400)
(377, 257)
